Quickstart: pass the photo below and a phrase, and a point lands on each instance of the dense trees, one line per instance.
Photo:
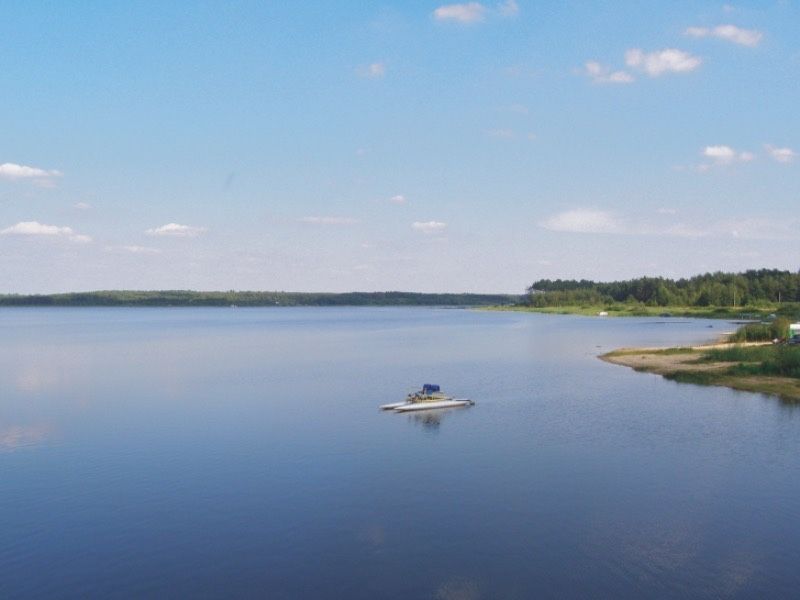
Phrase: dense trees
(751, 288)
(189, 298)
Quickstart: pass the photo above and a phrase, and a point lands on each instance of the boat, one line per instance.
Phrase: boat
(428, 398)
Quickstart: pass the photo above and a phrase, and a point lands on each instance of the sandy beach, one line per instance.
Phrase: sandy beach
(684, 365)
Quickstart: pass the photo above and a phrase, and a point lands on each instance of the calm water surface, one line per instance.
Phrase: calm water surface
(217, 452)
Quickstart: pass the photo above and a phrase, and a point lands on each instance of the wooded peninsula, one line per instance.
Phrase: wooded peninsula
(759, 357)
(763, 287)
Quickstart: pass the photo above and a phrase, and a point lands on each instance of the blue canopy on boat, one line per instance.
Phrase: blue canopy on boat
(429, 388)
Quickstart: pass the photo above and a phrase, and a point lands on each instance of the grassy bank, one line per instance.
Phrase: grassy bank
(759, 367)
(640, 310)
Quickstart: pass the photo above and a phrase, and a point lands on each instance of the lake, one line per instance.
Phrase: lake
(192, 452)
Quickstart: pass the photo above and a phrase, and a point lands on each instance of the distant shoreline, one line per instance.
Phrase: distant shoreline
(188, 298)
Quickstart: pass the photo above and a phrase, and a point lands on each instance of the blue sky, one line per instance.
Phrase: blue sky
(412, 145)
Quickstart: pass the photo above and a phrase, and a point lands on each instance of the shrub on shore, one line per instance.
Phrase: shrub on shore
(739, 354)
(780, 360)
(762, 332)
(784, 362)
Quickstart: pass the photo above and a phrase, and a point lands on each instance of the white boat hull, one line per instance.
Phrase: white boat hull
(393, 405)
(416, 400)
(408, 407)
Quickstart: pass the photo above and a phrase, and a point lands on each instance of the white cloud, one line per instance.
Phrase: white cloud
(329, 220)
(599, 73)
(176, 230)
(374, 70)
(82, 206)
(428, 226)
(398, 199)
(469, 12)
(782, 155)
(15, 172)
(720, 153)
(725, 155)
(34, 228)
(669, 60)
(598, 221)
(730, 33)
(475, 12)
(583, 220)
(509, 8)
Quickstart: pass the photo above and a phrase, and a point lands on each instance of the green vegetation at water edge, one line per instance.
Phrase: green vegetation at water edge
(736, 353)
(696, 377)
(233, 298)
(660, 351)
(768, 369)
(641, 310)
(762, 332)
(779, 360)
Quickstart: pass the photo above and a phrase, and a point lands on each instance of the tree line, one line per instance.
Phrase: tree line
(750, 288)
(248, 298)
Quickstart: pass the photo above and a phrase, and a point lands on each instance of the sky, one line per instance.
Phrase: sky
(419, 146)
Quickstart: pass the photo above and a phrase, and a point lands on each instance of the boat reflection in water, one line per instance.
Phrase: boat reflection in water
(431, 420)
(428, 420)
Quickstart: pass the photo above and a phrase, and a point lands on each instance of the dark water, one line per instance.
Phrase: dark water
(219, 452)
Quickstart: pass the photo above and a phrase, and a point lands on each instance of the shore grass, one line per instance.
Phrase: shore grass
(736, 353)
(768, 369)
(785, 388)
(651, 351)
(637, 310)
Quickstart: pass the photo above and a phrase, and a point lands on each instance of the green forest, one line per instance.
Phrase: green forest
(754, 288)
(234, 298)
